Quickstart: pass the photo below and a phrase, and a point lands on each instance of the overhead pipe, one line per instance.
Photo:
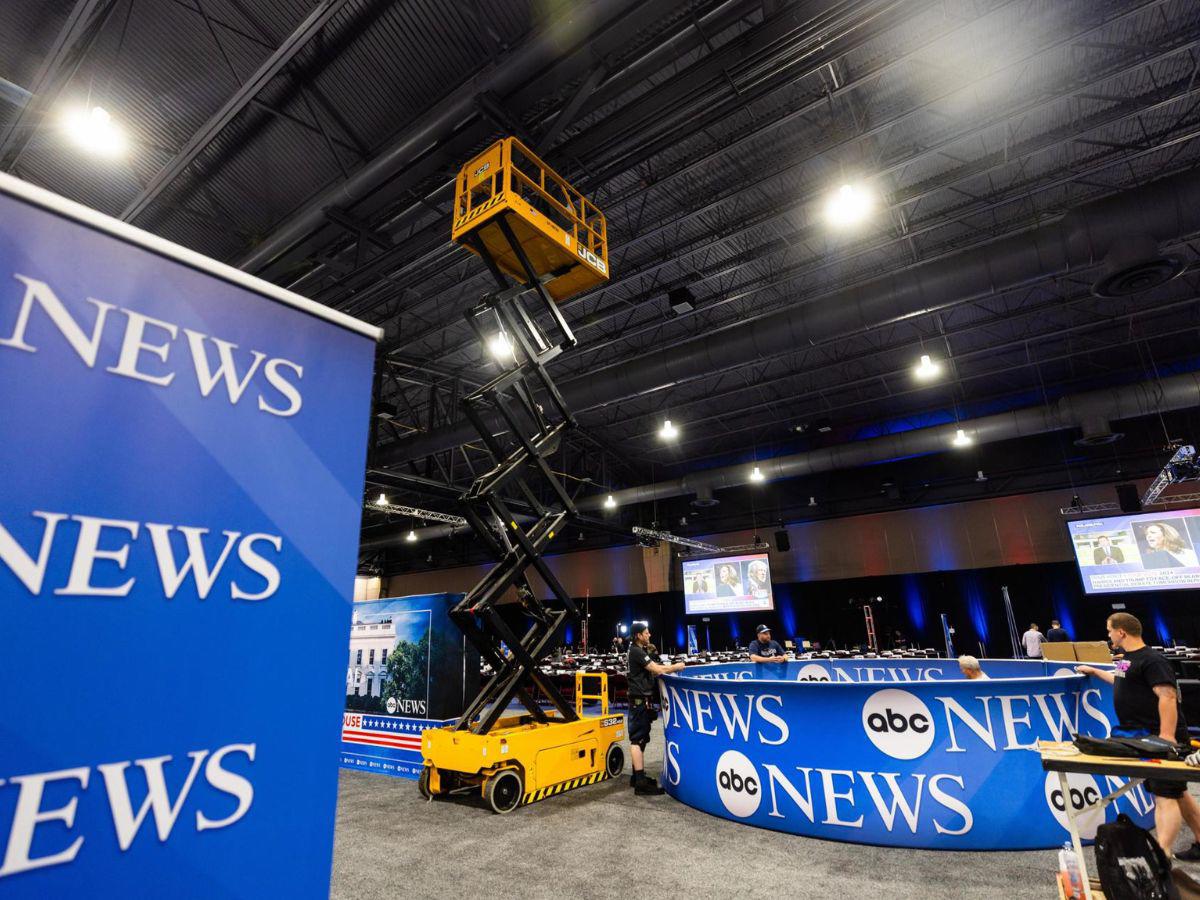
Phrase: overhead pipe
(1162, 210)
(525, 63)
(1074, 411)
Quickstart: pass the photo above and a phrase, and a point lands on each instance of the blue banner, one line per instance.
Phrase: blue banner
(901, 753)
(410, 668)
(182, 450)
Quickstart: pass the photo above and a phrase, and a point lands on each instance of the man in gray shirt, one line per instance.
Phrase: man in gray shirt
(1032, 639)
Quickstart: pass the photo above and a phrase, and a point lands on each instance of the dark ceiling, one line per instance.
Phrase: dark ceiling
(314, 144)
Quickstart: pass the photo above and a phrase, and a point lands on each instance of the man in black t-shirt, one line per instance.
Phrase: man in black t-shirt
(1056, 634)
(642, 672)
(765, 650)
(1146, 700)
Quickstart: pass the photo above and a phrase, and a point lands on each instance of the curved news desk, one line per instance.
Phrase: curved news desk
(903, 753)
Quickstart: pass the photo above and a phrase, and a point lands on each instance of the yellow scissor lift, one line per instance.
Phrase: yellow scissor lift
(529, 225)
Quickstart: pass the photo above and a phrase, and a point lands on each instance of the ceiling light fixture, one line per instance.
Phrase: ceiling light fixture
(610, 502)
(926, 368)
(382, 501)
(812, 501)
(501, 347)
(848, 205)
(980, 477)
(93, 130)
(668, 431)
(757, 475)
(961, 439)
(411, 537)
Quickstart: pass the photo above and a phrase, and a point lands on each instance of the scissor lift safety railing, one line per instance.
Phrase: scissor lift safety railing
(581, 697)
(505, 222)
(564, 237)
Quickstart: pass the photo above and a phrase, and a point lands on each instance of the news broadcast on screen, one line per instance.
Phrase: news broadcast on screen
(727, 584)
(1143, 552)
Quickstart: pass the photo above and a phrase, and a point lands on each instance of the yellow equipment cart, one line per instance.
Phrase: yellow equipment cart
(529, 225)
(521, 761)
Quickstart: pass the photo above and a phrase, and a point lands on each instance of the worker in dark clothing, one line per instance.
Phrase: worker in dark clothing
(1056, 634)
(765, 650)
(642, 672)
(1146, 700)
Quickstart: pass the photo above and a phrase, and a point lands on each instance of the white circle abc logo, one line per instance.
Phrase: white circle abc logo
(1082, 790)
(738, 784)
(664, 703)
(1063, 672)
(392, 705)
(813, 672)
(898, 723)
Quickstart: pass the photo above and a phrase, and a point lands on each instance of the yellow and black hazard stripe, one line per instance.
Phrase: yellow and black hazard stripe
(478, 210)
(543, 793)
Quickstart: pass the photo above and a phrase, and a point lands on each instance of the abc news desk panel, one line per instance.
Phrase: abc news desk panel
(182, 449)
(902, 753)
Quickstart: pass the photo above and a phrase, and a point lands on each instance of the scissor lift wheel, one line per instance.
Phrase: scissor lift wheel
(614, 761)
(504, 791)
(423, 784)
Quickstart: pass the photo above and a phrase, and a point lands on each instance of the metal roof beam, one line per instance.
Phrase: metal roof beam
(243, 97)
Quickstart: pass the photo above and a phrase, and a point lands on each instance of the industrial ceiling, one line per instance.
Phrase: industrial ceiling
(1021, 234)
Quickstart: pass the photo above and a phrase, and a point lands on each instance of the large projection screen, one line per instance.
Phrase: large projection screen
(727, 584)
(1143, 552)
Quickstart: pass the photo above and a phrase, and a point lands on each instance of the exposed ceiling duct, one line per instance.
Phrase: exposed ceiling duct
(1096, 433)
(1161, 211)
(1135, 263)
(1089, 410)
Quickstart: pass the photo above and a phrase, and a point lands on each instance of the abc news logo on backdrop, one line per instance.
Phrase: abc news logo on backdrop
(898, 723)
(1082, 792)
(738, 784)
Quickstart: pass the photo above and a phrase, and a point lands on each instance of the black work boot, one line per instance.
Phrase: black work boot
(647, 786)
(1191, 854)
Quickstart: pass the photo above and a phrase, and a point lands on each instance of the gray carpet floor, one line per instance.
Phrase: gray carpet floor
(602, 841)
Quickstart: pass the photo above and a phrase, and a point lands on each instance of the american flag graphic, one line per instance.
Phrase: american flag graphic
(384, 731)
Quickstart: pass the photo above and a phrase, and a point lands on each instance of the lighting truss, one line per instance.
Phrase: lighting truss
(649, 533)
(1113, 507)
(1180, 467)
(761, 547)
(426, 515)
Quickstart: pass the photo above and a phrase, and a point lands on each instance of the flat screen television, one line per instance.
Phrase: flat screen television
(727, 584)
(1158, 551)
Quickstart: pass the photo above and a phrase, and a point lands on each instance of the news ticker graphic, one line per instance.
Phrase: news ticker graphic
(409, 668)
(183, 453)
(897, 753)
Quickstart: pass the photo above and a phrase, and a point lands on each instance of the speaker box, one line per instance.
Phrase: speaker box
(1127, 496)
(782, 542)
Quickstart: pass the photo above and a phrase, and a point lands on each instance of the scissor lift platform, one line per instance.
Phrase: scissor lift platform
(529, 225)
(564, 237)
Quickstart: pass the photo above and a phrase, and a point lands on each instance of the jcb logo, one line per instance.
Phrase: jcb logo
(482, 170)
(898, 723)
(738, 784)
(1082, 791)
(591, 259)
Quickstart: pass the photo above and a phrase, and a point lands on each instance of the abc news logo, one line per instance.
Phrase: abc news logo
(738, 784)
(898, 723)
(1082, 791)
(813, 672)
